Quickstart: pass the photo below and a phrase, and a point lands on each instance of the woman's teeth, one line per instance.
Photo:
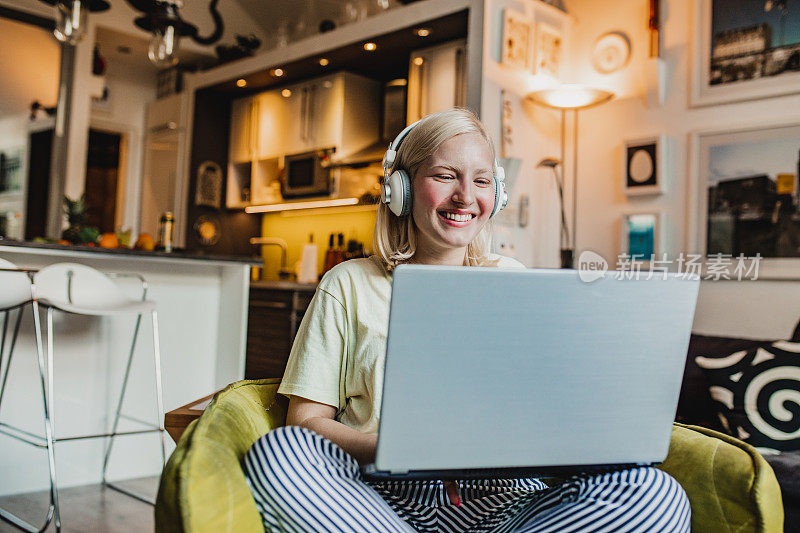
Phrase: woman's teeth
(456, 217)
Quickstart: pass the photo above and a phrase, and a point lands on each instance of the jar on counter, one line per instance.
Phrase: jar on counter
(166, 228)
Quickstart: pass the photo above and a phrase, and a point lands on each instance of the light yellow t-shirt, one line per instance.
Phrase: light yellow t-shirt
(339, 352)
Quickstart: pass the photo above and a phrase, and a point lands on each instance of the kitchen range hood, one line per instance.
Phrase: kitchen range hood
(362, 158)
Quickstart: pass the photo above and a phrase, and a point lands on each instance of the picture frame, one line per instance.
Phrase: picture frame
(516, 40)
(645, 165)
(738, 203)
(548, 50)
(642, 234)
(730, 63)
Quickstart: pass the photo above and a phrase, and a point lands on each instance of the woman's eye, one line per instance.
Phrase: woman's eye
(443, 176)
(483, 182)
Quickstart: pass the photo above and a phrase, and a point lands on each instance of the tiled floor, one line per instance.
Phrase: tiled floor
(91, 508)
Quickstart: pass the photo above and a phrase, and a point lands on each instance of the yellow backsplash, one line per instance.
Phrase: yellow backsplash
(356, 222)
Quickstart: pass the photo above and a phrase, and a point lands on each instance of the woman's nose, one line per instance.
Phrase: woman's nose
(464, 193)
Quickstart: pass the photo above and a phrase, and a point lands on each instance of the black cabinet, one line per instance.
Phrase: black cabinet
(272, 322)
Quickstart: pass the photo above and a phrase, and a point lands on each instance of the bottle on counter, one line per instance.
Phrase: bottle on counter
(340, 249)
(330, 255)
(308, 262)
(166, 227)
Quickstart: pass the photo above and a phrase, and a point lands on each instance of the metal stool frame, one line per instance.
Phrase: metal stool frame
(49, 440)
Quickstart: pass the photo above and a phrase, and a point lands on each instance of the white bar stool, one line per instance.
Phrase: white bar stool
(79, 289)
(16, 291)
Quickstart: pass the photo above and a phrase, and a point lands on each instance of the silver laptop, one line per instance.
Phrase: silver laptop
(513, 373)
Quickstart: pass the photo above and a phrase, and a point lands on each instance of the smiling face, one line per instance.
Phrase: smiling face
(453, 197)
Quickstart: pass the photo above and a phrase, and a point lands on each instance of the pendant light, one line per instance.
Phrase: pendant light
(159, 17)
(165, 25)
(71, 17)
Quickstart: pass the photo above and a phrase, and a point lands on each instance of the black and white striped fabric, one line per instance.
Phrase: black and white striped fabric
(303, 482)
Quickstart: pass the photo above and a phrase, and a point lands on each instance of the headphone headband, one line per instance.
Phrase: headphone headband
(391, 154)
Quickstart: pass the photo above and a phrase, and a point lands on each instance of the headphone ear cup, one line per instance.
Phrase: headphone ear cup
(500, 196)
(400, 200)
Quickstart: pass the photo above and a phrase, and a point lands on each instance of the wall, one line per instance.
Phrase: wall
(535, 134)
(295, 226)
(755, 309)
(131, 86)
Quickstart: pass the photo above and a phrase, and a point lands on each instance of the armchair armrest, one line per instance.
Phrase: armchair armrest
(727, 481)
(203, 487)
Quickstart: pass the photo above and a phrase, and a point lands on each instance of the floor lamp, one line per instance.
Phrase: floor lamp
(572, 97)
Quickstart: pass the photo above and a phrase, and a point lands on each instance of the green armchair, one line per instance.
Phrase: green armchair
(203, 488)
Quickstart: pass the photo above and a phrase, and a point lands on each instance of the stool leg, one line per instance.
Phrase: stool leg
(53, 511)
(49, 400)
(159, 401)
(10, 348)
(159, 396)
(50, 368)
(121, 398)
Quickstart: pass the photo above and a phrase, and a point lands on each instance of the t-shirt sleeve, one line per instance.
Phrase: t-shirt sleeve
(508, 262)
(316, 362)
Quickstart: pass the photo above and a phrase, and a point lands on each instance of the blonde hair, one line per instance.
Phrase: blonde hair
(395, 239)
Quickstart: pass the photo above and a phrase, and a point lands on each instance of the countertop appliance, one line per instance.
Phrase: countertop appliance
(307, 174)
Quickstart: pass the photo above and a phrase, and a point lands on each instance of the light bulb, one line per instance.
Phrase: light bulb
(70, 21)
(163, 49)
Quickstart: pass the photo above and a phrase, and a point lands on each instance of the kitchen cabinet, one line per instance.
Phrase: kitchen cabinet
(243, 130)
(275, 312)
(340, 110)
(274, 122)
(163, 187)
(437, 79)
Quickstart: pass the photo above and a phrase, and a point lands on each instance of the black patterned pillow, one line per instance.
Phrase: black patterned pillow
(755, 386)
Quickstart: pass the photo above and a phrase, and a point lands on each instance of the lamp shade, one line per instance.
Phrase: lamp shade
(571, 96)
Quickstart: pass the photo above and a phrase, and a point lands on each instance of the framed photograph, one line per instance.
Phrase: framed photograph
(642, 235)
(548, 50)
(645, 164)
(745, 195)
(516, 39)
(744, 50)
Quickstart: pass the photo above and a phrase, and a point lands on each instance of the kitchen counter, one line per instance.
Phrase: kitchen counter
(77, 250)
(283, 285)
(202, 312)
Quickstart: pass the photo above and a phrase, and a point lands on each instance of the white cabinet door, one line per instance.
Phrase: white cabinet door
(324, 116)
(275, 124)
(436, 79)
(243, 130)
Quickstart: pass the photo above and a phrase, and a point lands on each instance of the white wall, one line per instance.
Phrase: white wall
(535, 134)
(754, 309)
(131, 87)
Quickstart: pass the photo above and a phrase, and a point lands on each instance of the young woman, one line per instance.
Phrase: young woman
(305, 476)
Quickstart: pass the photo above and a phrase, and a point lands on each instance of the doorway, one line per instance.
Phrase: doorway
(103, 173)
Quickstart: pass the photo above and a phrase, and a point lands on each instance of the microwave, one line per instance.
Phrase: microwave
(307, 174)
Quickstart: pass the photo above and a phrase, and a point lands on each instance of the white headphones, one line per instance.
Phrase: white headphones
(396, 188)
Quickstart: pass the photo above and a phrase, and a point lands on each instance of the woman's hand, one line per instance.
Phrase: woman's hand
(451, 489)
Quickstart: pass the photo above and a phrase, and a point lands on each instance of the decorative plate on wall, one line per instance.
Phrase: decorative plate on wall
(611, 52)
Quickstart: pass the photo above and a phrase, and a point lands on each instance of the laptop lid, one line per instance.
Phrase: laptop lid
(491, 368)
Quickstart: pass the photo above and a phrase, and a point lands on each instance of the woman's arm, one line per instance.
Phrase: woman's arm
(318, 417)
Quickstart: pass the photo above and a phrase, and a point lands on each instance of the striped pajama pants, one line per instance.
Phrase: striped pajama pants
(302, 482)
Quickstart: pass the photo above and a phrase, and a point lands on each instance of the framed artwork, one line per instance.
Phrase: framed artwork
(516, 39)
(645, 164)
(642, 235)
(745, 197)
(548, 50)
(744, 50)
